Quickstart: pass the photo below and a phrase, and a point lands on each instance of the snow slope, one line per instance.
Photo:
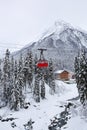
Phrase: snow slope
(42, 112)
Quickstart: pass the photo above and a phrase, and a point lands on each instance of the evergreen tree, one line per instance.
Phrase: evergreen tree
(50, 70)
(30, 74)
(35, 62)
(51, 77)
(17, 91)
(37, 89)
(83, 79)
(15, 70)
(42, 88)
(20, 82)
(26, 70)
(11, 90)
(46, 75)
(52, 86)
(14, 93)
(77, 67)
(6, 76)
(0, 74)
(81, 76)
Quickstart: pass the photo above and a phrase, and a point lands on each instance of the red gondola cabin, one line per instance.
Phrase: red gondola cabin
(42, 64)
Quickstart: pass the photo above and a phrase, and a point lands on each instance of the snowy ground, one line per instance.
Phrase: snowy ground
(42, 112)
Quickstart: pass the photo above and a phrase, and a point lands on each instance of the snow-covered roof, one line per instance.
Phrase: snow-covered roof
(60, 71)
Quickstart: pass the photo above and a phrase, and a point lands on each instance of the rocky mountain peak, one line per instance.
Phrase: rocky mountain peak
(62, 42)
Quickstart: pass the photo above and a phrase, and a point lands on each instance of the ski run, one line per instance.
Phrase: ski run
(42, 113)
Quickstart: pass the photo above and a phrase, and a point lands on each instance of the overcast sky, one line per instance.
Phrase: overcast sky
(21, 21)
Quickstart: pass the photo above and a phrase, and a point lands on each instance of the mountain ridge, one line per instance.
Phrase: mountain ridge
(62, 42)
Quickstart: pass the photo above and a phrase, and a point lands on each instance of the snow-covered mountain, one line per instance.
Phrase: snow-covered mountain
(62, 42)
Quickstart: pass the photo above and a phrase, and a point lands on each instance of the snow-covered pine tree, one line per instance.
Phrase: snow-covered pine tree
(52, 86)
(37, 89)
(42, 88)
(50, 70)
(0, 74)
(26, 71)
(12, 89)
(15, 70)
(20, 82)
(6, 76)
(81, 76)
(76, 65)
(30, 73)
(35, 62)
(39, 86)
(51, 77)
(17, 91)
(77, 69)
(46, 75)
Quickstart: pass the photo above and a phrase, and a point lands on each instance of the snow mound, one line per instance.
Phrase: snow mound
(61, 87)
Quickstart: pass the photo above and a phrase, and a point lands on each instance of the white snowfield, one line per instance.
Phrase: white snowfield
(42, 112)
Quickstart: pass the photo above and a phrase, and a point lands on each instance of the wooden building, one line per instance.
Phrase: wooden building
(63, 74)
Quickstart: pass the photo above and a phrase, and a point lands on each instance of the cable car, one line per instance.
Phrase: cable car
(42, 63)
